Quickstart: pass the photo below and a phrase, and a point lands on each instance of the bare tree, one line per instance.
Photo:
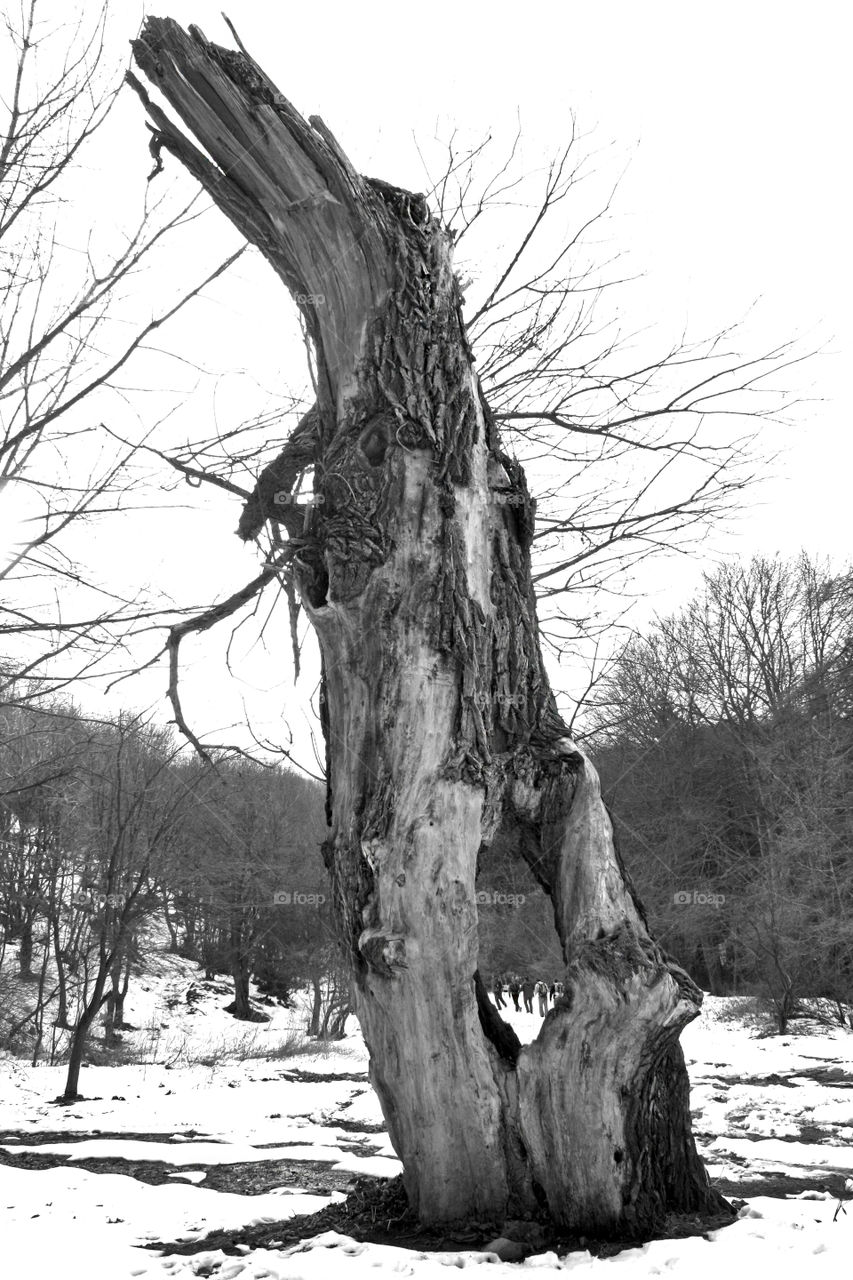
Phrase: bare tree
(240, 859)
(128, 817)
(725, 747)
(68, 331)
(631, 451)
(39, 753)
(440, 724)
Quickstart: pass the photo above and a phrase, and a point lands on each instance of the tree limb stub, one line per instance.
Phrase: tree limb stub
(271, 496)
(278, 178)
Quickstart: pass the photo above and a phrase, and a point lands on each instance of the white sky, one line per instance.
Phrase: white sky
(734, 123)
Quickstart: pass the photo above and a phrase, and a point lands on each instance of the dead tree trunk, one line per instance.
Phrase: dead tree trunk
(440, 725)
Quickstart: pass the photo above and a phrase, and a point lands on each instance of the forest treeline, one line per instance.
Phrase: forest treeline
(108, 830)
(724, 741)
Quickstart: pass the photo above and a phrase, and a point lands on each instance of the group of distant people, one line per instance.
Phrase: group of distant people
(525, 989)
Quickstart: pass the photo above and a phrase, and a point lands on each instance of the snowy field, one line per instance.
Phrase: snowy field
(214, 1094)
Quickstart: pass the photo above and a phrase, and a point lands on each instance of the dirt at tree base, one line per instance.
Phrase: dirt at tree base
(778, 1186)
(322, 1077)
(377, 1212)
(252, 1178)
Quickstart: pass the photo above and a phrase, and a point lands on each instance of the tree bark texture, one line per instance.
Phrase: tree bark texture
(440, 724)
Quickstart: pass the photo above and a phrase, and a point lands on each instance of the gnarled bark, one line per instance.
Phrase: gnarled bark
(441, 727)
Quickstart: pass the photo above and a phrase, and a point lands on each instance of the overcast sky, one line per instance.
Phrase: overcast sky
(730, 126)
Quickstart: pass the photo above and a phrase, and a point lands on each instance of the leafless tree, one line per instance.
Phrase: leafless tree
(68, 333)
(414, 566)
(725, 741)
(241, 862)
(631, 451)
(128, 817)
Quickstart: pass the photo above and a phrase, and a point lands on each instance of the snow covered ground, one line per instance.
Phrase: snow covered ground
(212, 1093)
